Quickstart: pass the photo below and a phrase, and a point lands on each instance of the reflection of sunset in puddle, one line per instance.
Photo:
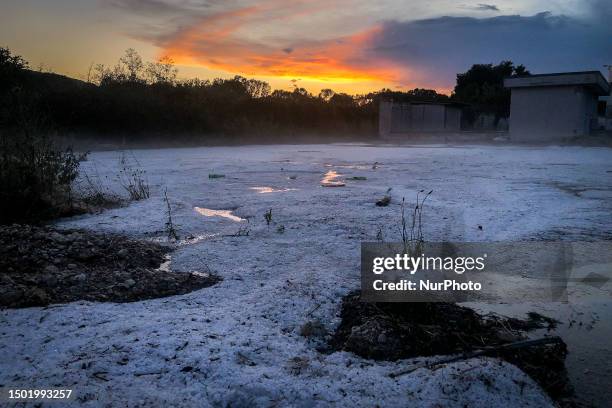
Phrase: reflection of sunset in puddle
(364, 166)
(207, 212)
(266, 190)
(194, 239)
(190, 240)
(329, 180)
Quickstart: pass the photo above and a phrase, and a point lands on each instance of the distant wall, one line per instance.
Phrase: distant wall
(551, 113)
(452, 118)
(399, 118)
(384, 118)
(488, 122)
(608, 114)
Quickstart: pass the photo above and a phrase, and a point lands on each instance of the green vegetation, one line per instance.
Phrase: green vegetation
(137, 101)
(36, 177)
(482, 86)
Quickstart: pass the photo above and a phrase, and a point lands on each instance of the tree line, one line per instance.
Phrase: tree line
(140, 99)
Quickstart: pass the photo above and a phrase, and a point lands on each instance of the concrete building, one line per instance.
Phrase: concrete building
(608, 116)
(607, 119)
(554, 106)
(396, 119)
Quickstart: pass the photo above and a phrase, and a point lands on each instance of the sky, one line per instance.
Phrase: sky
(353, 46)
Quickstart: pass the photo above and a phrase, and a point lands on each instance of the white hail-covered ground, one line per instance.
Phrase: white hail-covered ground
(237, 343)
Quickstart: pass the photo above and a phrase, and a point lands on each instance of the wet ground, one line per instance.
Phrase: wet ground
(586, 327)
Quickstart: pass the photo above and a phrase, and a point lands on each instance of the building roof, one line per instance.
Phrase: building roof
(593, 80)
(456, 104)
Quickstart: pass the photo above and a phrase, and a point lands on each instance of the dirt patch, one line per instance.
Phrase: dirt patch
(392, 331)
(42, 265)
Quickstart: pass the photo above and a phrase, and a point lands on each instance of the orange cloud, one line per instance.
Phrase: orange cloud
(221, 41)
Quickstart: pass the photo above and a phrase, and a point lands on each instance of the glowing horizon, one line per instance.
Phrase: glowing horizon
(214, 42)
(352, 46)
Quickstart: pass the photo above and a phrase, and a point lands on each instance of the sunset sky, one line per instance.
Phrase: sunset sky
(347, 45)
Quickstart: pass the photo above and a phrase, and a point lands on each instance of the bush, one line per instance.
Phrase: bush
(35, 177)
(132, 178)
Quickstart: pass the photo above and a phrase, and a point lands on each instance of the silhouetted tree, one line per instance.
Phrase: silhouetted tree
(131, 66)
(483, 87)
(11, 68)
(138, 99)
(162, 71)
(326, 94)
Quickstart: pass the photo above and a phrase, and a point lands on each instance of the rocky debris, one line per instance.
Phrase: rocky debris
(43, 265)
(393, 331)
(383, 202)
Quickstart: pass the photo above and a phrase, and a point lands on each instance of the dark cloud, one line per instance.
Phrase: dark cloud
(428, 52)
(486, 7)
(155, 7)
(438, 48)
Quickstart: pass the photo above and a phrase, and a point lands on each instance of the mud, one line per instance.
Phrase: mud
(41, 266)
(393, 331)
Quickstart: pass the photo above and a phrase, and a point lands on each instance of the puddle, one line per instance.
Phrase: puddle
(194, 239)
(356, 166)
(207, 212)
(267, 190)
(189, 240)
(587, 329)
(330, 179)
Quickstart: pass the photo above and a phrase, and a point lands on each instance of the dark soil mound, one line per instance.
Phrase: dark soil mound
(40, 265)
(392, 331)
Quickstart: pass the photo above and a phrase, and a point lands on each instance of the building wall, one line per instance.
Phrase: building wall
(551, 113)
(453, 119)
(608, 115)
(399, 118)
(384, 118)
(429, 118)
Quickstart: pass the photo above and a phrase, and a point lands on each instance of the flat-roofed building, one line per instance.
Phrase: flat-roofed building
(399, 118)
(554, 106)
